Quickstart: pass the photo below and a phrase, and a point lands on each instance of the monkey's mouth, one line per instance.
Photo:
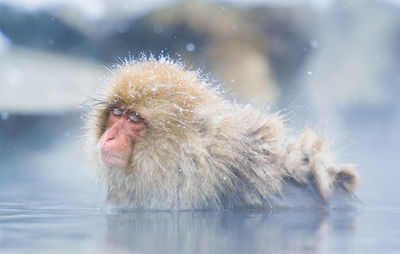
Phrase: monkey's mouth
(112, 159)
(111, 154)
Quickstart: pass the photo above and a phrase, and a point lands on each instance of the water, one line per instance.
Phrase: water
(37, 224)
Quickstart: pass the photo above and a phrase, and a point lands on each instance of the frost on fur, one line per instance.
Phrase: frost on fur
(201, 151)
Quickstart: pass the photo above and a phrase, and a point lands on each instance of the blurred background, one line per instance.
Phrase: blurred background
(331, 64)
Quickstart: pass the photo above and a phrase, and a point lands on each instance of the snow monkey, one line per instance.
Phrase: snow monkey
(166, 139)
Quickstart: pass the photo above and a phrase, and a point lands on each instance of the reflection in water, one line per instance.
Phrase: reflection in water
(227, 232)
(46, 223)
(41, 223)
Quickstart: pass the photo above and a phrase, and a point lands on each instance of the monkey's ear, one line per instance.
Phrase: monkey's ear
(346, 177)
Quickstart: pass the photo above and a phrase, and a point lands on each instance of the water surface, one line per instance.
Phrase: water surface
(37, 224)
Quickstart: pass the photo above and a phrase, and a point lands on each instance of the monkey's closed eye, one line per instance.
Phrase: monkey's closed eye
(134, 117)
(117, 111)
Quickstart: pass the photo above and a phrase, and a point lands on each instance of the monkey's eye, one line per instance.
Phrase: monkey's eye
(134, 117)
(117, 112)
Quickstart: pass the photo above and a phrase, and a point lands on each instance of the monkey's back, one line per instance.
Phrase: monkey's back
(265, 167)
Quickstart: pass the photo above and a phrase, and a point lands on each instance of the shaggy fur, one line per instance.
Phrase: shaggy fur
(203, 152)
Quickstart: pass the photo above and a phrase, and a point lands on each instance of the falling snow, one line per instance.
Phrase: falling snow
(190, 47)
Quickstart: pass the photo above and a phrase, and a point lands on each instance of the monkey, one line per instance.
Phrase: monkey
(165, 138)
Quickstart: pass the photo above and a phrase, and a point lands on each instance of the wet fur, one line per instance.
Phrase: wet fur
(203, 152)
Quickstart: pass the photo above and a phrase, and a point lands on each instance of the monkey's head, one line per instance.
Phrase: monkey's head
(146, 104)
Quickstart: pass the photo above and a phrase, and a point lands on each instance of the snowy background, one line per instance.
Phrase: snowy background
(333, 64)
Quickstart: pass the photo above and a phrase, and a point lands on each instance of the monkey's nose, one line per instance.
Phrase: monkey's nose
(110, 138)
(110, 135)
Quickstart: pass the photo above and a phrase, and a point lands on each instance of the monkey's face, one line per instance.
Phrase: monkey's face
(166, 96)
(123, 128)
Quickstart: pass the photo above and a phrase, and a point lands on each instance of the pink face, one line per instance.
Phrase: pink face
(123, 127)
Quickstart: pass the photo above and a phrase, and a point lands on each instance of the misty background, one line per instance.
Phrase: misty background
(331, 64)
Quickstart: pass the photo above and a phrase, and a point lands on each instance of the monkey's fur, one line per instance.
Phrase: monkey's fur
(201, 151)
